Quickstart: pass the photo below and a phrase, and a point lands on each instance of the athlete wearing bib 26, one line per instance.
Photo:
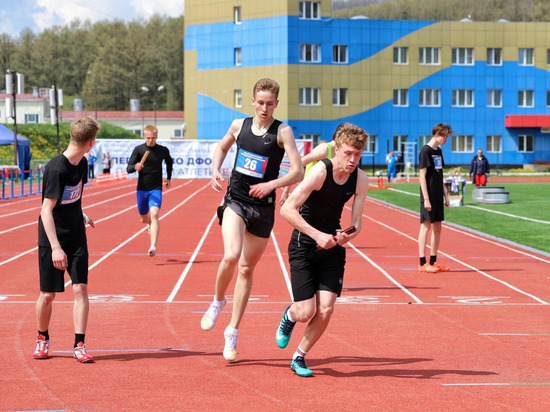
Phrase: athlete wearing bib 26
(248, 210)
(316, 253)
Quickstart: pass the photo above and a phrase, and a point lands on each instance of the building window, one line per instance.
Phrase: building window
(463, 144)
(463, 55)
(237, 14)
(339, 54)
(238, 59)
(399, 142)
(526, 57)
(310, 96)
(309, 136)
(136, 131)
(463, 98)
(494, 56)
(340, 97)
(238, 98)
(429, 55)
(429, 97)
(525, 143)
(310, 53)
(547, 98)
(372, 144)
(310, 10)
(178, 133)
(494, 144)
(526, 98)
(424, 139)
(400, 97)
(400, 55)
(31, 118)
(494, 98)
(547, 56)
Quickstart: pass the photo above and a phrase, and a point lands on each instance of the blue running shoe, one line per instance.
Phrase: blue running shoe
(298, 365)
(284, 331)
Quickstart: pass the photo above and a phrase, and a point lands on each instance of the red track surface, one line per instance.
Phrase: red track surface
(476, 338)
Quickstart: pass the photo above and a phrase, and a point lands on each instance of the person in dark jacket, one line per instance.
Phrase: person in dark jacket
(479, 169)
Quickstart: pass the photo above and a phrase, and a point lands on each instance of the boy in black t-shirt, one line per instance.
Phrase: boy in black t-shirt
(62, 243)
(433, 197)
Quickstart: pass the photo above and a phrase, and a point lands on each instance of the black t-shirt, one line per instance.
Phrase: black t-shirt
(64, 182)
(432, 160)
(323, 208)
(150, 177)
(258, 160)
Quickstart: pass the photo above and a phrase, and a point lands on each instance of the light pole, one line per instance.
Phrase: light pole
(56, 100)
(158, 89)
(95, 91)
(14, 79)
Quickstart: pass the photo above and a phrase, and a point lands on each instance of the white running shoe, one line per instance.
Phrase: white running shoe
(230, 348)
(152, 251)
(211, 315)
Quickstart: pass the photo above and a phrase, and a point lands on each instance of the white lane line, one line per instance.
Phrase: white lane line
(462, 262)
(191, 260)
(498, 384)
(283, 267)
(386, 274)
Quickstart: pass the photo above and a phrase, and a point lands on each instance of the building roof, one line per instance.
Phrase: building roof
(24, 96)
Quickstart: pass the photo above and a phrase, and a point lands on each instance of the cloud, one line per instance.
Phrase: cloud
(47, 13)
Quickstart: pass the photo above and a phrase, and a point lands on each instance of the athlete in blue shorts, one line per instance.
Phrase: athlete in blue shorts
(146, 159)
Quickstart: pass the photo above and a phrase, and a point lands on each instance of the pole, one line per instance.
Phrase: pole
(14, 93)
(95, 95)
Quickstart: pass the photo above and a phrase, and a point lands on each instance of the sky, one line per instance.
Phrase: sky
(16, 15)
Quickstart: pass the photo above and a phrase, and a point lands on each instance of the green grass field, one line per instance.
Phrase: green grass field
(528, 201)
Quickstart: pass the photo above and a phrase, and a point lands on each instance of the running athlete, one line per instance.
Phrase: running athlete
(147, 160)
(62, 242)
(316, 253)
(248, 211)
(433, 197)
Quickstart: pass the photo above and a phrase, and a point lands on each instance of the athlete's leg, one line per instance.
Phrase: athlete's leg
(423, 238)
(252, 251)
(436, 236)
(81, 307)
(318, 324)
(233, 229)
(44, 310)
(154, 224)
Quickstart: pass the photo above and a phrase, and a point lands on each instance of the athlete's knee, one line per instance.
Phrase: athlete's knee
(303, 311)
(325, 311)
(47, 297)
(80, 291)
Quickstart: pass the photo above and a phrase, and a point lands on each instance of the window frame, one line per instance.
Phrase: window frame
(524, 96)
(313, 8)
(314, 95)
(526, 56)
(491, 143)
(491, 94)
(526, 140)
(492, 58)
(237, 17)
(422, 56)
(422, 94)
(399, 95)
(337, 96)
(337, 52)
(398, 54)
(463, 56)
(237, 55)
(238, 98)
(463, 98)
(314, 51)
(462, 143)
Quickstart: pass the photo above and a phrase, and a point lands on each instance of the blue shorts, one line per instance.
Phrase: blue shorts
(146, 199)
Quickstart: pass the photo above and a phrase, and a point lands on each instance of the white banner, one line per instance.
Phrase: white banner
(192, 158)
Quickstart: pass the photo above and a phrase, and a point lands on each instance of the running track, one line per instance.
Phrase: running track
(477, 338)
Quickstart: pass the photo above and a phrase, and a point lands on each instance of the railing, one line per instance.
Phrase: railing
(17, 183)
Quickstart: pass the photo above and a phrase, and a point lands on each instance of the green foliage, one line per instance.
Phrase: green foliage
(111, 57)
(43, 138)
(528, 200)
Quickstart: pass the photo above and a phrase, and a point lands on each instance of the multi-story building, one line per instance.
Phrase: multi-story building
(396, 79)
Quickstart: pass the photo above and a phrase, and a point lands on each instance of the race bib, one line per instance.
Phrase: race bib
(438, 162)
(251, 164)
(71, 193)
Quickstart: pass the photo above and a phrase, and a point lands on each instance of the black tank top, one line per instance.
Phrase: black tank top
(323, 208)
(258, 160)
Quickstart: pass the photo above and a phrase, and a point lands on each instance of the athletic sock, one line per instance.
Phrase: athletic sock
(289, 316)
(422, 261)
(433, 259)
(46, 334)
(78, 337)
(299, 352)
(231, 330)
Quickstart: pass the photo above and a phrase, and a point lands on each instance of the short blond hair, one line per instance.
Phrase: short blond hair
(268, 85)
(350, 134)
(84, 129)
(151, 128)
